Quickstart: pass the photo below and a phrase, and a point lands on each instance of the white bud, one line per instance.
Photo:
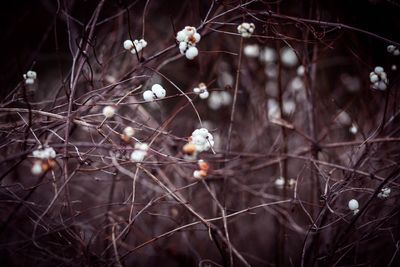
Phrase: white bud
(191, 53)
(148, 95)
(128, 45)
(108, 111)
(196, 90)
(353, 204)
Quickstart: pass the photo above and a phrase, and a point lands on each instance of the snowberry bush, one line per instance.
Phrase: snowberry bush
(172, 133)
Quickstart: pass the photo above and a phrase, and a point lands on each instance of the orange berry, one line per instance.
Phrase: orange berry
(45, 166)
(51, 163)
(202, 173)
(189, 148)
(203, 165)
(125, 138)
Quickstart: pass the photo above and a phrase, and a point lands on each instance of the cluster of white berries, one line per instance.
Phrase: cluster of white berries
(108, 111)
(156, 92)
(138, 44)
(274, 112)
(202, 171)
(246, 29)
(379, 78)
(202, 139)
(202, 91)
(393, 50)
(353, 206)
(287, 56)
(385, 192)
(188, 38)
(140, 152)
(44, 160)
(46, 153)
(280, 182)
(30, 77)
(219, 99)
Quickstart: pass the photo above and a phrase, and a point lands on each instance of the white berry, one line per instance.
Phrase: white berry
(353, 204)
(37, 168)
(108, 111)
(128, 45)
(191, 53)
(148, 95)
(129, 131)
